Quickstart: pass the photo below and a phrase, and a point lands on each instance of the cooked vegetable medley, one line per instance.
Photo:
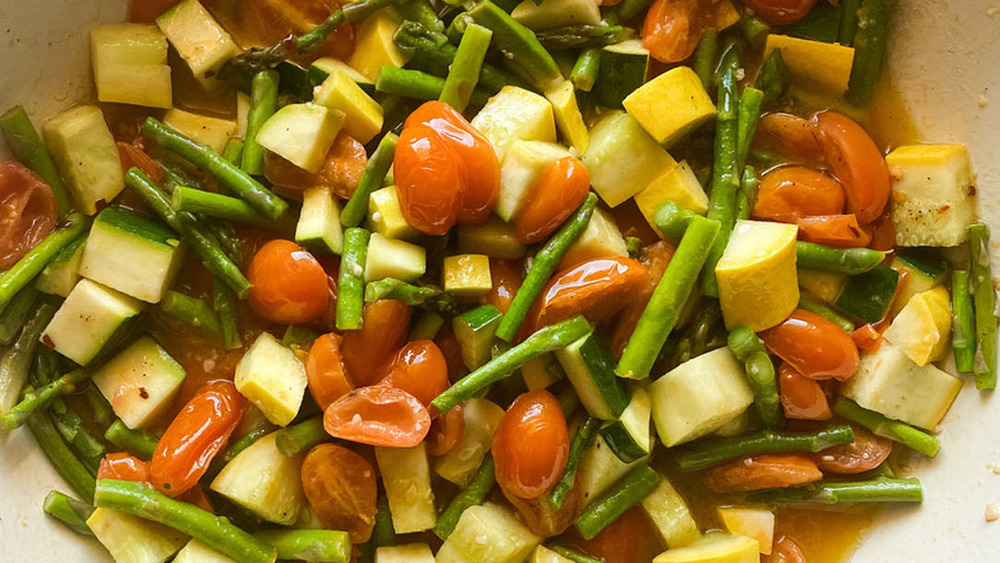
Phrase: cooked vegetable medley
(486, 282)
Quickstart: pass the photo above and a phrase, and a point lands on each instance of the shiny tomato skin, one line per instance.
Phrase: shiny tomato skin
(367, 351)
(813, 346)
(27, 212)
(198, 432)
(328, 379)
(790, 137)
(345, 163)
(420, 370)
(378, 416)
(763, 472)
(554, 196)
(446, 431)
(531, 445)
(596, 289)
(801, 398)
(341, 488)
(672, 28)
(790, 192)
(446, 172)
(507, 277)
(856, 162)
(123, 467)
(865, 453)
(780, 12)
(842, 231)
(289, 285)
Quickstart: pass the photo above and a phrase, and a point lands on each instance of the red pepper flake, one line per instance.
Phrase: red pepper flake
(47, 341)
(944, 208)
(143, 393)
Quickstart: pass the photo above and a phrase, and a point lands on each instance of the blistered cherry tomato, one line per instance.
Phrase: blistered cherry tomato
(366, 351)
(802, 398)
(833, 230)
(673, 28)
(420, 370)
(123, 467)
(27, 212)
(790, 137)
(341, 488)
(763, 472)
(531, 445)
(597, 289)
(289, 285)
(785, 550)
(541, 517)
(378, 416)
(865, 453)
(857, 163)
(196, 434)
(507, 277)
(780, 12)
(814, 346)
(446, 172)
(554, 196)
(446, 431)
(341, 172)
(790, 192)
(328, 380)
(656, 257)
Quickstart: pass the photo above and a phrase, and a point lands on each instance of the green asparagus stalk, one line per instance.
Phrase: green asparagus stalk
(749, 115)
(700, 455)
(233, 151)
(760, 374)
(773, 77)
(263, 104)
(13, 316)
(418, 85)
(544, 340)
(581, 36)
(887, 428)
(963, 340)
(585, 436)
(542, 268)
(749, 182)
(29, 150)
(664, 307)
(754, 29)
(672, 221)
(302, 437)
(69, 511)
(521, 49)
(101, 412)
(191, 310)
(309, 545)
(228, 239)
(706, 56)
(813, 305)
(76, 475)
(464, 72)
(31, 264)
(473, 494)
(584, 73)
(223, 207)
(384, 533)
(378, 165)
(350, 281)
(430, 296)
(628, 9)
(139, 443)
(224, 303)
(851, 492)
(848, 28)
(15, 361)
(852, 261)
(870, 46)
(984, 302)
(35, 400)
(624, 494)
(297, 335)
(73, 429)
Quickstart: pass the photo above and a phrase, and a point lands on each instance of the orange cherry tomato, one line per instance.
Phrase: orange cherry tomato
(196, 434)
(790, 192)
(791, 137)
(378, 416)
(597, 289)
(785, 550)
(857, 163)
(882, 232)
(802, 398)
(289, 285)
(554, 196)
(833, 230)
(328, 380)
(673, 28)
(131, 155)
(452, 351)
(867, 338)
(780, 12)
(630, 538)
(541, 517)
(341, 172)
(813, 346)
(27, 212)
(366, 351)
(865, 453)
(446, 171)
(123, 467)
(420, 370)
(446, 431)
(507, 277)
(197, 497)
(531, 445)
(341, 488)
(656, 257)
(763, 472)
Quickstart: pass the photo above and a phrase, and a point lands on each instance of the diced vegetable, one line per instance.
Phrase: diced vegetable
(481, 420)
(716, 547)
(679, 185)
(467, 275)
(322, 67)
(623, 158)
(198, 38)
(823, 68)
(923, 272)
(984, 298)
(389, 258)
(386, 216)
(825, 286)
(88, 320)
(363, 115)
(599, 469)
(272, 378)
(569, 120)
(264, 481)
(374, 46)
(406, 477)
(542, 372)
(197, 552)
(130, 538)
(475, 331)
(524, 163)
(922, 329)
(630, 436)
(494, 238)
(601, 239)
(671, 106)
(302, 134)
(140, 382)
(868, 295)
(515, 114)
(591, 369)
(556, 13)
(409, 553)
(622, 70)
(488, 532)
(61, 274)
(671, 515)
(543, 554)
(86, 155)
(625, 493)
(130, 65)
(756, 523)
(214, 132)
(319, 227)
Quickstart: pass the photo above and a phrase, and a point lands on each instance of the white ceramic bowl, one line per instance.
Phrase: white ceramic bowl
(945, 59)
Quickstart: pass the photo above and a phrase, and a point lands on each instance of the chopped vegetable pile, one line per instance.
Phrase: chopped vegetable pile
(484, 282)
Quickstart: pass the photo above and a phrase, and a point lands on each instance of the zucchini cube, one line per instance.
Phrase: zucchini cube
(130, 65)
(264, 481)
(86, 155)
(601, 239)
(409, 553)
(672, 105)
(714, 547)
(198, 38)
(822, 68)
(623, 69)
(524, 163)
(459, 465)
(406, 476)
(488, 532)
(61, 274)
(475, 330)
(388, 258)
(321, 68)
(671, 515)
(373, 44)
(467, 275)
(302, 134)
(319, 227)
(623, 158)
(494, 238)
(131, 255)
(140, 382)
(211, 131)
(272, 378)
(515, 114)
(556, 13)
(363, 114)
(134, 539)
(679, 185)
(386, 216)
(599, 469)
(88, 319)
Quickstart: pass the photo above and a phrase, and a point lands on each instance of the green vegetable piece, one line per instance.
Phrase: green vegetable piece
(35, 400)
(628, 491)
(848, 492)
(519, 45)
(31, 264)
(586, 433)
(301, 437)
(870, 45)
(963, 339)
(350, 281)
(853, 261)
(821, 23)
(464, 73)
(586, 69)
(224, 303)
(309, 545)
(868, 295)
(707, 453)
(29, 150)
(139, 443)
(773, 78)
(378, 165)
(475, 493)
(984, 302)
(263, 104)
(750, 351)
(222, 207)
(69, 511)
(887, 428)
(66, 464)
(813, 305)
(706, 56)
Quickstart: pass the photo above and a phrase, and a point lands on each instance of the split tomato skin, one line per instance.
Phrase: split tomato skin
(790, 192)
(341, 488)
(289, 284)
(368, 350)
(801, 398)
(379, 415)
(865, 453)
(325, 371)
(672, 28)
(419, 369)
(780, 12)
(27, 212)
(813, 346)
(531, 445)
(763, 472)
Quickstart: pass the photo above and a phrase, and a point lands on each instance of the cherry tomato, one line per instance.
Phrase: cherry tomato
(790, 192)
(541, 517)
(196, 434)
(378, 416)
(507, 279)
(328, 380)
(341, 488)
(656, 257)
(865, 453)
(341, 172)
(446, 431)
(857, 163)
(632, 223)
(763, 472)
(673, 28)
(452, 351)
(446, 171)
(420, 370)
(123, 467)
(801, 397)
(790, 137)
(27, 212)
(882, 232)
(131, 155)
(867, 338)
(813, 346)
(531, 445)
(780, 12)
(597, 289)
(630, 538)
(289, 285)
(197, 497)
(833, 230)
(554, 196)
(366, 351)
(785, 550)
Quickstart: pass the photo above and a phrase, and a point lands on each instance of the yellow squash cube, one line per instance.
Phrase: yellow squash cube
(678, 185)
(756, 523)
(671, 105)
(211, 131)
(130, 65)
(494, 238)
(623, 158)
(820, 67)
(515, 114)
(569, 120)
(272, 378)
(386, 216)
(373, 45)
(758, 282)
(363, 114)
(467, 275)
(922, 327)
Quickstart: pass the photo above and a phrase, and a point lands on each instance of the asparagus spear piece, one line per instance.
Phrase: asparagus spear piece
(418, 85)
(191, 310)
(984, 301)
(473, 494)
(15, 361)
(848, 28)
(35, 400)
(585, 436)
(350, 282)
(29, 150)
(65, 463)
(139, 443)
(963, 340)
(749, 115)
(309, 545)
(301, 437)
(628, 9)
(263, 104)
(870, 45)
(706, 56)
(223, 207)
(464, 72)
(877, 490)
(628, 491)
(13, 316)
(519, 45)
(813, 305)
(888, 428)
(224, 303)
(750, 351)
(584, 73)
(707, 453)
(378, 165)
(69, 511)
(852, 261)
(233, 151)
(575, 556)
(31, 264)
(430, 296)
(773, 77)
(581, 36)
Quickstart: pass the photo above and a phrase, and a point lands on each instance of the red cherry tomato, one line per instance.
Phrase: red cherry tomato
(790, 137)
(785, 550)
(123, 467)
(27, 212)
(814, 346)
(289, 285)
(341, 172)
(780, 12)
(656, 257)
(366, 351)
(531, 445)
(673, 28)
(132, 155)
(554, 196)
(867, 337)
(420, 370)
(446, 171)
(763, 472)
(865, 453)
(597, 289)
(857, 163)
(802, 398)
(341, 488)
(446, 431)
(328, 380)
(196, 434)
(507, 277)
(378, 416)
(833, 230)
(790, 192)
